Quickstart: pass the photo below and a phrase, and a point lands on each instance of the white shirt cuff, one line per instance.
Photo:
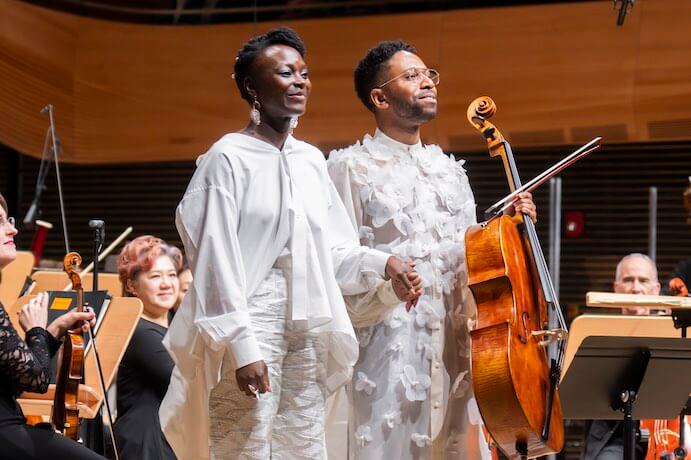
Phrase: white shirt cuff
(245, 351)
(234, 331)
(376, 261)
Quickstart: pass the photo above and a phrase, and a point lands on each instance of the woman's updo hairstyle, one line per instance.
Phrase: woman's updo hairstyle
(248, 53)
(139, 256)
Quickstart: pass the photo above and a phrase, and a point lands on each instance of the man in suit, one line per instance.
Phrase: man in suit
(635, 274)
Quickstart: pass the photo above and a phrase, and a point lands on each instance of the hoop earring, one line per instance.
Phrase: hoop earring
(255, 116)
(293, 123)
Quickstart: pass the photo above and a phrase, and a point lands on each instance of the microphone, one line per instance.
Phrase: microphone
(625, 7)
(96, 223)
(30, 216)
(47, 108)
(99, 228)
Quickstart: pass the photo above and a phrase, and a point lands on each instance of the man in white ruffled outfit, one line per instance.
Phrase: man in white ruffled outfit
(411, 394)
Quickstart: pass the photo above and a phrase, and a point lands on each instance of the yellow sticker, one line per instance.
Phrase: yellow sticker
(61, 303)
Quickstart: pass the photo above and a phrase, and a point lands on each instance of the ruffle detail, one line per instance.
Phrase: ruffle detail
(421, 192)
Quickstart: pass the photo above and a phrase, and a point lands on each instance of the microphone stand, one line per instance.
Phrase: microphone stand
(49, 110)
(34, 211)
(682, 320)
(98, 227)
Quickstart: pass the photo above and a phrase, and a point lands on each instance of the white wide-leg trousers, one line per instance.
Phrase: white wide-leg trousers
(287, 423)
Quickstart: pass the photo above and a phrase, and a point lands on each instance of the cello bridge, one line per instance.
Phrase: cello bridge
(550, 335)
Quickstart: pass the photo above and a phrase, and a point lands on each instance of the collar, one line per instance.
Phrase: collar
(393, 144)
(288, 145)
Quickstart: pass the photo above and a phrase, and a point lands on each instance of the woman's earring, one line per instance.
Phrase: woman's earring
(293, 123)
(255, 116)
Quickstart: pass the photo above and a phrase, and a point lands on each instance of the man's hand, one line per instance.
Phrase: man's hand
(253, 378)
(524, 203)
(406, 282)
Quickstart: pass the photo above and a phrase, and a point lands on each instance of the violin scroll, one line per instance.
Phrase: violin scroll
(70, 262)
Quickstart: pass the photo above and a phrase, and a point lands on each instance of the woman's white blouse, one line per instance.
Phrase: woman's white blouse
(246, 203)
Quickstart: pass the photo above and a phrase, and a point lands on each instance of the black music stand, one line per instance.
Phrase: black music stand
(643, 377)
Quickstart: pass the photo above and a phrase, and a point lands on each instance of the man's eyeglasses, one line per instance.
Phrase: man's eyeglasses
(9, 222)
(415, 75)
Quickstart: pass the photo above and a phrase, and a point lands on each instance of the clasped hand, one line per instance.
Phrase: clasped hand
(406, 282)
(253, 378)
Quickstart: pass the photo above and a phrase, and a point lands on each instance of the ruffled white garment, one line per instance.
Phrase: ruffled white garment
(415, 202)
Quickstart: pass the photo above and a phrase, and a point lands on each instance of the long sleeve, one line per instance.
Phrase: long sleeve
(207, 220)
(27, 364)
(368, 308)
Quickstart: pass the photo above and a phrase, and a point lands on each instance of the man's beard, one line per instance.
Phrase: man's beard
(412, 112)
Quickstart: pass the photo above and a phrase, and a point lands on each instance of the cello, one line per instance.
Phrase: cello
(65, 417)
(514, 379)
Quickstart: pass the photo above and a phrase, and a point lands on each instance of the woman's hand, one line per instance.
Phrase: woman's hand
(70, 320)
(524, 203)
(35, 313)
(253, 378)
(406, 282)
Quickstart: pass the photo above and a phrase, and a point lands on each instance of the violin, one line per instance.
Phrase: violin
(65, 417)
(514, 379)
(663, 438)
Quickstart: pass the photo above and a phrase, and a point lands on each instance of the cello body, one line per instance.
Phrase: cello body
(510, 368)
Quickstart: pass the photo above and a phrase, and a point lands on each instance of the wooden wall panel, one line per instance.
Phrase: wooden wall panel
(548, 68)
(663, 78)
(559, 73)
(37, 58)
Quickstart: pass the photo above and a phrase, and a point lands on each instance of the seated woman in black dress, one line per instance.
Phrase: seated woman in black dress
(148, 269)
(25, 366)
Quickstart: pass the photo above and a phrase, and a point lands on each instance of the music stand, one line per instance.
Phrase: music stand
(637, 365)
(114, 334)
(57, 281)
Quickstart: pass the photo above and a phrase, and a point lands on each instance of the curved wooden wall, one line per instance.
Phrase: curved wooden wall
(559, 74)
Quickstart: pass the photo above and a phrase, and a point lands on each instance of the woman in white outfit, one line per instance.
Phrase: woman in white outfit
(263, 337)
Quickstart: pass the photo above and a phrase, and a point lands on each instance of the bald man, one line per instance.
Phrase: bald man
(635, 274)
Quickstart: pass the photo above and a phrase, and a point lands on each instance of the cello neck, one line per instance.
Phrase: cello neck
(530, 231)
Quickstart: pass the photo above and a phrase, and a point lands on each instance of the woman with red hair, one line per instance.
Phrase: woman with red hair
(148, 269)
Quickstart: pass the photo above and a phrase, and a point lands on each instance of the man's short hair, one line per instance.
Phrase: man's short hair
(369, 68)
(633, 255)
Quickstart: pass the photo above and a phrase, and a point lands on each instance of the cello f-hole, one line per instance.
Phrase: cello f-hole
(525, 317)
